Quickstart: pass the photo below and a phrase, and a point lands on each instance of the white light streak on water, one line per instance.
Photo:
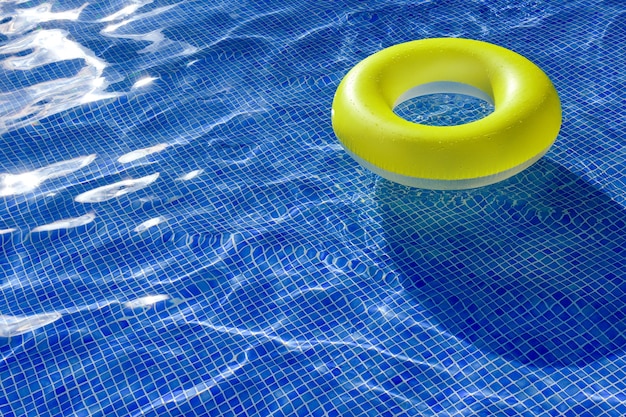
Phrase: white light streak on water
(66, 223)
(150, 223)
(23, 20)
(13, 184)
(140, 153)
(143, 82)
(190, 175)
(21, 107)
(126, 11)
(118, 189)
(16, 325)
(146, 301)
(158, 41)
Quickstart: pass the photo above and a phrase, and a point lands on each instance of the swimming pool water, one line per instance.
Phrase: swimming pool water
(182, 234)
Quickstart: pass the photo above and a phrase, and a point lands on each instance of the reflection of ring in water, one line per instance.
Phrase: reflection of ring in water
(530, 269)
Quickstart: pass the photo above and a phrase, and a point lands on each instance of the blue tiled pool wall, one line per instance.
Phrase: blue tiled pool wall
(263, 272)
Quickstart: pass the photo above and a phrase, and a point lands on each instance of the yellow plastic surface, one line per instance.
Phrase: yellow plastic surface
(524, 124)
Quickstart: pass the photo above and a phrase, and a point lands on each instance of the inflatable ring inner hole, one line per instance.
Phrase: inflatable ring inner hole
(446, 87)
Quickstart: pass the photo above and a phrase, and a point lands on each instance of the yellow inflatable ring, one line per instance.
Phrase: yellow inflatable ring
(524, 124)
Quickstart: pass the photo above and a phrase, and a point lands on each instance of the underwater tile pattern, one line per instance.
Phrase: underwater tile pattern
(182, 234)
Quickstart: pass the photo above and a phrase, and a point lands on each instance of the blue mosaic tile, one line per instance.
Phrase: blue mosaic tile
(182, 234)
